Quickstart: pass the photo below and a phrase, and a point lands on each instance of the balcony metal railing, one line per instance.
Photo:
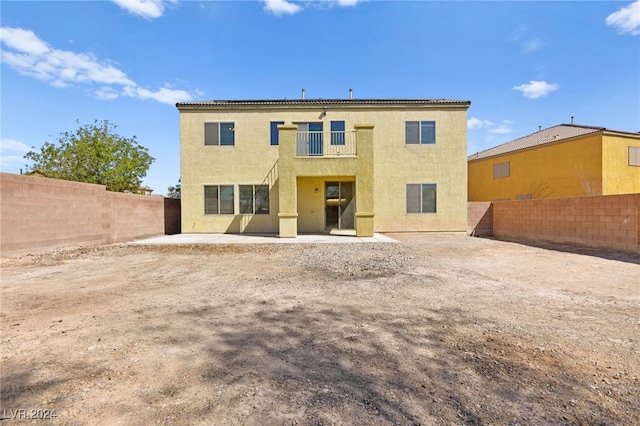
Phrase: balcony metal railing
(326, 144)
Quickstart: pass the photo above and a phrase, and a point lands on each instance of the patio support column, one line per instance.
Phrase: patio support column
(364, 181)
(287, 209)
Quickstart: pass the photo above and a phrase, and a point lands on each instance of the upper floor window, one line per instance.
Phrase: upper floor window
(634, 155)
(218, 199)
(254, 199)
(337, 133)
(219, 134)
(421, 197)
(501, 170)
(275, 136)
(420, 132)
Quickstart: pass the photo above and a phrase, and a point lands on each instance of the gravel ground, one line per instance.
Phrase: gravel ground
(437, 329)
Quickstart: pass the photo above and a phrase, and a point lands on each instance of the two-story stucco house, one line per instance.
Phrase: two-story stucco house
(567, 160)
(317, 165)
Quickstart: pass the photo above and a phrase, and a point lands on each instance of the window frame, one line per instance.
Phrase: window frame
(254, 199)
(218, 207)
(412, 206)
(424, 132)
(337, 128)
(221, 138)
(634, 156)
(502, 170)
(274, 134)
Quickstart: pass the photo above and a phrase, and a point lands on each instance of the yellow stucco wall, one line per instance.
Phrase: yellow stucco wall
(443, 163)
(568, 168)
(311, 213)
(252, 160)
(618, 177)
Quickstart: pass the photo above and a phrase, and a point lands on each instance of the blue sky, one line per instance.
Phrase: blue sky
(521, 64)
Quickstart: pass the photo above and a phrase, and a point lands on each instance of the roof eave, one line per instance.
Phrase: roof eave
(315, 103)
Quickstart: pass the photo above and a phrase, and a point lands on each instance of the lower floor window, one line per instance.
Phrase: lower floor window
(218, 199)
(254, 199)
(421, 197)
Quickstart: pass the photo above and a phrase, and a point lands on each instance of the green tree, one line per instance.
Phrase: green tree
(174, 191)
(94, 154)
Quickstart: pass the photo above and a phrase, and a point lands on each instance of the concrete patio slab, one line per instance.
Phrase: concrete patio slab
(333, 238)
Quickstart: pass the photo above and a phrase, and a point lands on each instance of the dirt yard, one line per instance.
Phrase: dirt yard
(438, 329)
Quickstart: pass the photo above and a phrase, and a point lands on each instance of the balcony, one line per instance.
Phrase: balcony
(326, 144)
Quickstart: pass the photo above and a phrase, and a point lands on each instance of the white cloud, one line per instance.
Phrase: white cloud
(531, 45)
(149, 9)
(519, 33)
(106, 92)
(476, 123)
(12, 154)
(536, 89)
(280, 7)
(491, 130)
(164, 95)
(14, 146)
(32, 57)
(627, 19)
(23, 40)
(501, 130)
(349, 3)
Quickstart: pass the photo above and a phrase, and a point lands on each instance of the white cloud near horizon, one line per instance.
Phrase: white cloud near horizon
(282, 7)
(30, 56)
(627, 19)
(12, 145)
(12, 153)
(502, 129)
(536, 89)
(476, 123)
(149, 9)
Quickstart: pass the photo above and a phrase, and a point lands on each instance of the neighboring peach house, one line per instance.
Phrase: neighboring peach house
(562, 161)
(318, 165)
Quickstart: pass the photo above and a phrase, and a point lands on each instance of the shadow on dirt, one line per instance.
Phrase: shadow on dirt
(414, 369)
(608, 254)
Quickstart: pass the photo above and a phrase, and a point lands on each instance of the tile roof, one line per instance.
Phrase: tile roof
(544, 136)
(318, 102)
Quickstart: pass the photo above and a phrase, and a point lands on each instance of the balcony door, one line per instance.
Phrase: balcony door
(340, 206)
(309, 140)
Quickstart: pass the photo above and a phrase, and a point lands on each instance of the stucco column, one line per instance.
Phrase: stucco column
(287, 209)
(364, 180)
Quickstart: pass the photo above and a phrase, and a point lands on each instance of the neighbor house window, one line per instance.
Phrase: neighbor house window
(634, 155)
(219, 134)
(218, 199)
(421, 197)
(420, 132)
(501, 170)
(254, 199)
(523, 196)
(337, 133)
(275, 136)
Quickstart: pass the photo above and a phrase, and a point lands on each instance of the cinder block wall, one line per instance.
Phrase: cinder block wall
(39, 214)
(608, 221)
(480, 218)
